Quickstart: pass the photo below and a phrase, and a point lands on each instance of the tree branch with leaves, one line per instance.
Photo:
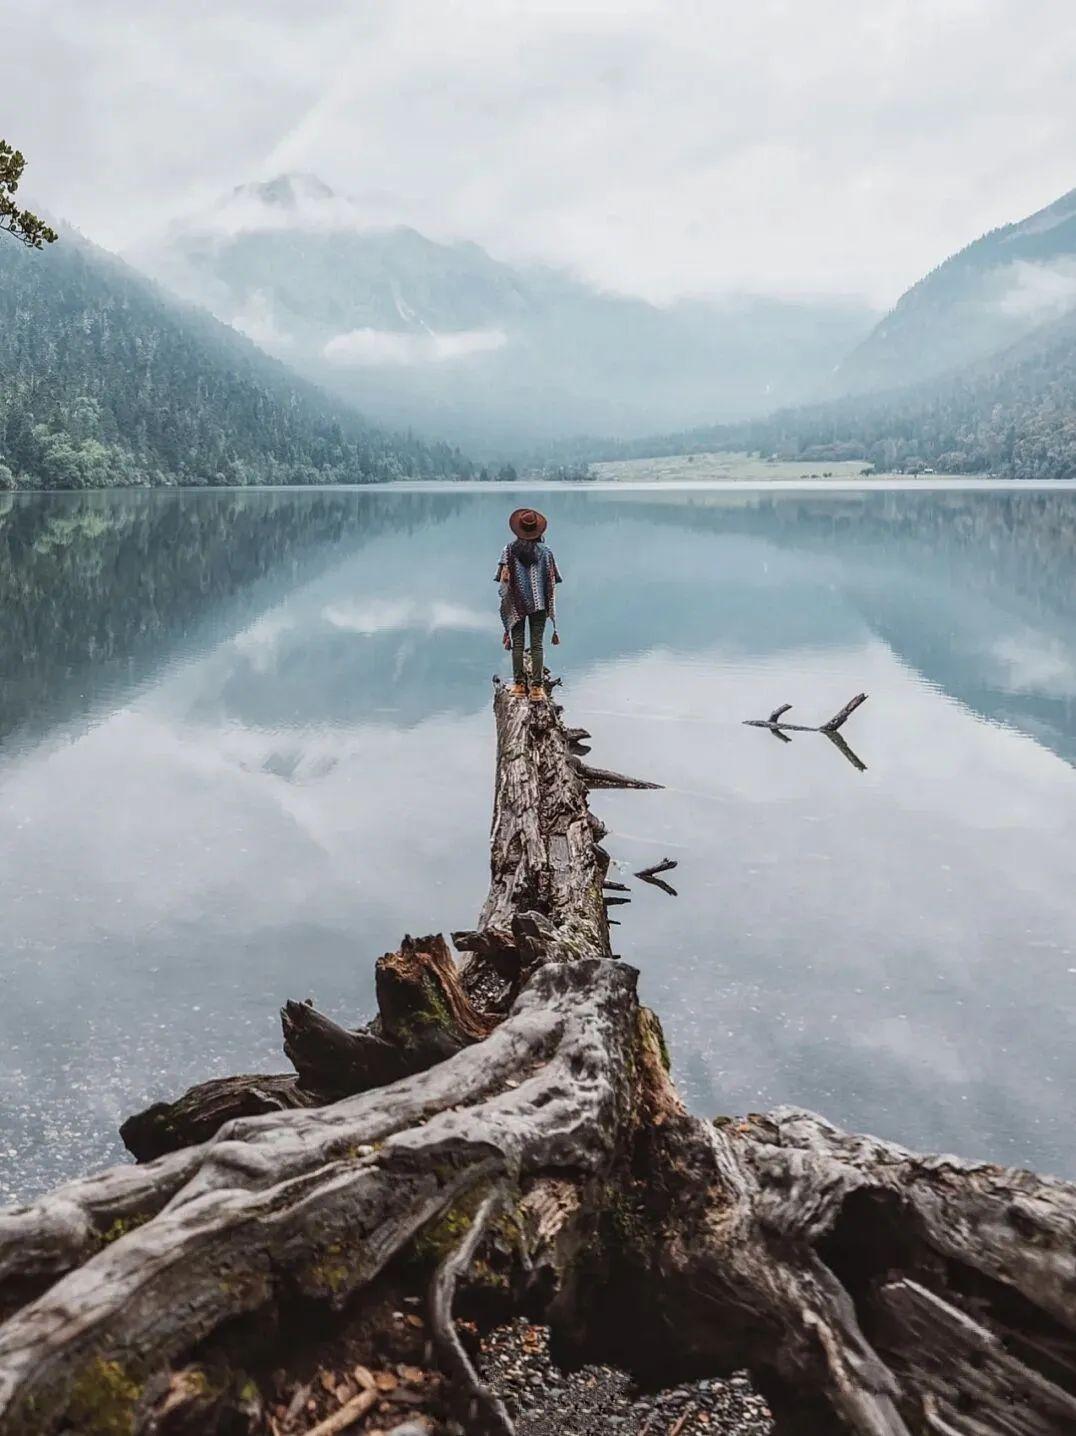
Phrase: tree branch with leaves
(24, 225)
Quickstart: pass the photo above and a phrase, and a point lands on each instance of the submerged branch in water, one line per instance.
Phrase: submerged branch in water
(781, 730)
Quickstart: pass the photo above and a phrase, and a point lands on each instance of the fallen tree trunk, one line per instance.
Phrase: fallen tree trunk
(535, 1140)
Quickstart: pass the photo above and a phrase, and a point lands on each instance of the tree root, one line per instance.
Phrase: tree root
(484, 1412)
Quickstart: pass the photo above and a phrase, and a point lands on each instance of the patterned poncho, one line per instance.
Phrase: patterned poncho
(530, 588)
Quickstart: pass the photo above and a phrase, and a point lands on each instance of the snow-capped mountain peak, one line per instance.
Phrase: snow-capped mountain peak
(297, 201)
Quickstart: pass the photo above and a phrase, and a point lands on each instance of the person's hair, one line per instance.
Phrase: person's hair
(526, 550)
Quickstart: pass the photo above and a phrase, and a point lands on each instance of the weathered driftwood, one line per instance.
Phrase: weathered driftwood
(652, 876)
(831, 729)
(606, 778)
(576, 735)
(203, 1110)
(838, 719)
(424, 1016)
(665, 866)
(868, 1289)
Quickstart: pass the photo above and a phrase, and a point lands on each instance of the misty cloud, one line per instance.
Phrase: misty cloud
(293, 202)
(373, 348)
(1029, 663)
(257, 321)
(1040, 291)
(658, 147)
(393, 615)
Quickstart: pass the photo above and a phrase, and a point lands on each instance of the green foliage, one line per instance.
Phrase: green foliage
(104, 383)
(627, 1220)
(663, 1046)
(103, 1400)
(442, 1236)
(437, 1013)
(33, 232)
(122, 1225)
(331, 1273)
(445, 1232)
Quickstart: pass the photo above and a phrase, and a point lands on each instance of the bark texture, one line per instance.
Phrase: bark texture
(510, 1126)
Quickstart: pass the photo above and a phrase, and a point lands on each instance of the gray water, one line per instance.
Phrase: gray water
(245, 744)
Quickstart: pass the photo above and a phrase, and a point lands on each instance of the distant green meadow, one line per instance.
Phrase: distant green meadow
(740, 468)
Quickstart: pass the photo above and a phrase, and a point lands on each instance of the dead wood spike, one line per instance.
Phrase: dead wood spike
(845, 713)
(576, 735)
(606, 778)
(665, 866)
(650, 875)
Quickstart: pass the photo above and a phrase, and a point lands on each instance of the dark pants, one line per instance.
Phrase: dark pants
(537, 621)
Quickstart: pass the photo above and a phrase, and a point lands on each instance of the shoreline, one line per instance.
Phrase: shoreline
(882, 483)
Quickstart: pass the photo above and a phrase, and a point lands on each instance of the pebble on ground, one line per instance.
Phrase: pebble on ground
(599, 1401)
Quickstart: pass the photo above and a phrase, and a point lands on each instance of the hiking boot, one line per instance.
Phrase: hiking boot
(537, 693)
(517, 690)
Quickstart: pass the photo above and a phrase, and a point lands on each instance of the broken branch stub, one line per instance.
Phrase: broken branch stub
(844, 714)
(665, 866)
(606, 778)
(651, 875)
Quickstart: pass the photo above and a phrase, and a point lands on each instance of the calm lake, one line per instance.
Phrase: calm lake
(246, 743)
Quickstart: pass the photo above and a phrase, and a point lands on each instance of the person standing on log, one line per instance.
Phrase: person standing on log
(528, 576)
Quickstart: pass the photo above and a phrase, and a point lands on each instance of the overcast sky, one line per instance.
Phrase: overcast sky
(660, 147)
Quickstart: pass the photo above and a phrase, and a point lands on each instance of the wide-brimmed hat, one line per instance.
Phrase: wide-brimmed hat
(527, 523)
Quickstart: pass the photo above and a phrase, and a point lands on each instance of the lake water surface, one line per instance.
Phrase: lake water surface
(246, 743)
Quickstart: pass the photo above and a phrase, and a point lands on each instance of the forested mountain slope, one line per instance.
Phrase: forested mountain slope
(1013, 415)
(104, 380)
(978, 302)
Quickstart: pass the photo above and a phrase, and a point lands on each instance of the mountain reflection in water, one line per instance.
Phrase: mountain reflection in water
(246, 744)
